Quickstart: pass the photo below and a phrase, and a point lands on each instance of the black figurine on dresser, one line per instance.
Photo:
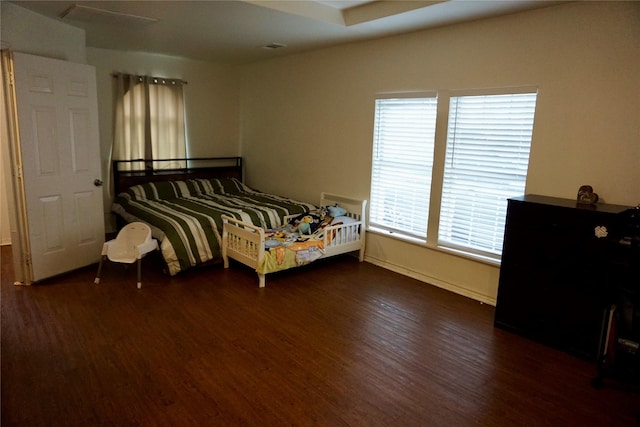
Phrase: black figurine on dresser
(559, 269)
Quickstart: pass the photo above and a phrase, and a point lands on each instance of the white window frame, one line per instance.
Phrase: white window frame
(413, 181)
(431, 239)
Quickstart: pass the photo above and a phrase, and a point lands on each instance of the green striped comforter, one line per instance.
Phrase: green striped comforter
(186, 216)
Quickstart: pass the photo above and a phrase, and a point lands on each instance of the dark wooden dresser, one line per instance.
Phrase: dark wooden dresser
(557, 274)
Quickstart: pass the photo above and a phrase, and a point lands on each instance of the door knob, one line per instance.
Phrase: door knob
(97, 182)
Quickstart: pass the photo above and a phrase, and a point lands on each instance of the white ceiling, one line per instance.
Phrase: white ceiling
(236, 31)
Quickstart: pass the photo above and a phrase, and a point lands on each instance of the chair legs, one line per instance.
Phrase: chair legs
(139, 262)
(97, 279)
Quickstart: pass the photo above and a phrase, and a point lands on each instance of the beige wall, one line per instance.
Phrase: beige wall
(211, 101)
(307, 119)
(24, 31)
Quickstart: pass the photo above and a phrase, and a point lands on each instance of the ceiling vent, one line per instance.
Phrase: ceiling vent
(78, 12)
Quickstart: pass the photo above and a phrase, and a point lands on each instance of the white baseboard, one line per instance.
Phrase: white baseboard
(458, 289)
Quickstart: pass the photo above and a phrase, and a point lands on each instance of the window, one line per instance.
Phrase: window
(402, 160)
(149, 120)
(485, 159)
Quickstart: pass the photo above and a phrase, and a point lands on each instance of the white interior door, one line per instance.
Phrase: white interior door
(57, 114)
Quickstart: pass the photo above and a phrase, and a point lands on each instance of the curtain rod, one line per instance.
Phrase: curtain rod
(163, 79)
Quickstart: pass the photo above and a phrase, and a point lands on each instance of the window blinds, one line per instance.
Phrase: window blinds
(403, 146)
(487, 156)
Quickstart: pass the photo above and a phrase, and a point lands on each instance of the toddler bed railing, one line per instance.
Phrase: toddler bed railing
(245, 242)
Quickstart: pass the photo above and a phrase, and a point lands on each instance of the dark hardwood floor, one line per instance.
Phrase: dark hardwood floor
(338, 343)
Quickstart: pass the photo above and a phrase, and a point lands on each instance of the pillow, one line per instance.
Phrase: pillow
(336, 210)
(217, 186)
(161, 190)
(232, 186)
(200, 186)
(182, 188)
(343, 220)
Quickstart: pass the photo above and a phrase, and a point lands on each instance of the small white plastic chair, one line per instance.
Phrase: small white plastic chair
(131, 244)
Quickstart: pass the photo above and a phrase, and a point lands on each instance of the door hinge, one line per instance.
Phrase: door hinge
(17, 172)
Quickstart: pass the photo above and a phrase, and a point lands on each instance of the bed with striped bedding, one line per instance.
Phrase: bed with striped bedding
(186, 216)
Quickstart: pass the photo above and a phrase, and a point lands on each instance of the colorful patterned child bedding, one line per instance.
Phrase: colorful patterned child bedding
(301, 240)
(185, 216)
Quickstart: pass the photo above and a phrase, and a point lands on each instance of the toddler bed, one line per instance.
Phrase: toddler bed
(337, 227)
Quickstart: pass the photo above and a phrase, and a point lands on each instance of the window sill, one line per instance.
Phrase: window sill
(419, 242)
(468, 255)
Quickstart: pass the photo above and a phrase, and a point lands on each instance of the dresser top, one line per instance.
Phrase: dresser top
(568, 203)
